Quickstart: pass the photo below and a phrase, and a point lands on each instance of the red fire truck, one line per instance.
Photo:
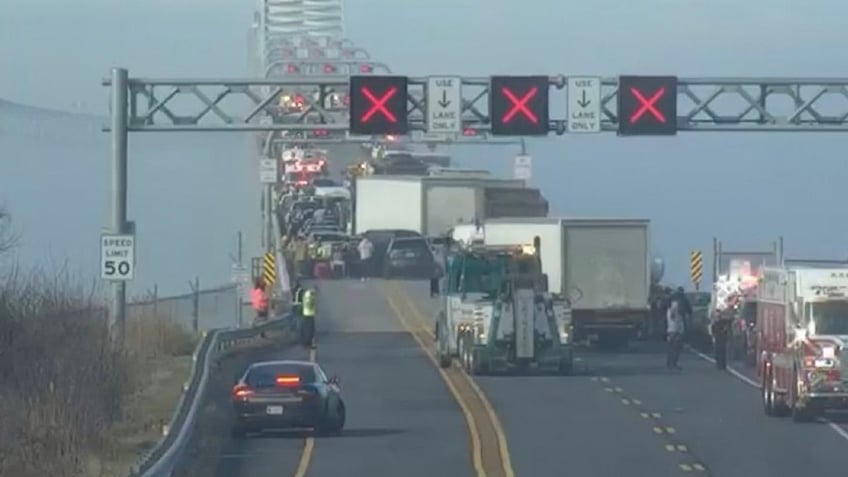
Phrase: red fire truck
(802, 325)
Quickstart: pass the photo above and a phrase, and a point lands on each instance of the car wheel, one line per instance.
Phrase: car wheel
(341, 417)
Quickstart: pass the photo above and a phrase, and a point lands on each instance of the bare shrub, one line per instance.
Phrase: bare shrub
(8, 239)
(153, 334)
(62, 383)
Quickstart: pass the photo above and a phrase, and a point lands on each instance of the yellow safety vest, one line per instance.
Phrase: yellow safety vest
(309, 305)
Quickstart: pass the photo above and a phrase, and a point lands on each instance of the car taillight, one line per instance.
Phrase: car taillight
(329, 69)
(291, 69)
(288, 381)
(242, 391)
(469, 132)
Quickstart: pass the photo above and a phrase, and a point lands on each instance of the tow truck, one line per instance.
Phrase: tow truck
(802, 323)
(497, 314)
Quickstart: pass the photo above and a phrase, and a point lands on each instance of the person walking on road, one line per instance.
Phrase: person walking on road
(297, 297)
(674, 331)
(307, 320)
(720, 330)
(366, 250)
(259, 301)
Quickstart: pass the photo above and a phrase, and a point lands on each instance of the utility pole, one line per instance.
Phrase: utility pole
(120, 85)
(269, 218)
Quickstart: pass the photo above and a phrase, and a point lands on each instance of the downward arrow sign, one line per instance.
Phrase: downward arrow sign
(444, 101)
(583, 101)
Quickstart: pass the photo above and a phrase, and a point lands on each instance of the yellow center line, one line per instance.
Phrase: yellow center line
(500, 434)
(309, 444)
(476, 447)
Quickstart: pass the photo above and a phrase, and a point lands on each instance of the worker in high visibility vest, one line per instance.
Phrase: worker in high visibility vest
(259, 301)
(307, 320)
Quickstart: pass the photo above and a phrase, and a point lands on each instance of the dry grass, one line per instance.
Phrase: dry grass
(161, 359)
(71, 402)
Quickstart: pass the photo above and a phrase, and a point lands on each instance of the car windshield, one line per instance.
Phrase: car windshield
(265, 375)
(416, 247)
(324, 183)
(829, 318)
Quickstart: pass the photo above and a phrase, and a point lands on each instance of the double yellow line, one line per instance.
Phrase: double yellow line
(489, 449)
(308, 445)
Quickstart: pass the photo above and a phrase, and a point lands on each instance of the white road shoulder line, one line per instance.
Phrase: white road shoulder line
(832, 425)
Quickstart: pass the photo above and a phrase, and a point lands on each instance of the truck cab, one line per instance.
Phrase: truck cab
(802, 324)
(497, 314)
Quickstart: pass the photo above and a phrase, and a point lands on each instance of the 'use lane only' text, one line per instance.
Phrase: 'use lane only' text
(444, 104)
(584, 105)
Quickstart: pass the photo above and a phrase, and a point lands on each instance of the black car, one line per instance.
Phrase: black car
(286, 395)
(409, 257)
(381, 238)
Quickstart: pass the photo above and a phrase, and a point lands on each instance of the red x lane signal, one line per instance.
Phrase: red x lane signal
(647, 105)
(518, 105)
(378, 105)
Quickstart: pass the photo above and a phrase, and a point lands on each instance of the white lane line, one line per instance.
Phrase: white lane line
(834, 426)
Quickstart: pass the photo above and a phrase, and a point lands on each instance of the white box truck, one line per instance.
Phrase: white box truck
(428, 205)
(602, 265)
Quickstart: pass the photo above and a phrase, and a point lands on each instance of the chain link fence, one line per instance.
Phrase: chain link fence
(198, 311)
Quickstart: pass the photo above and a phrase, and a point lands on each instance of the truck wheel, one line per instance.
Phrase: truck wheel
(444, 361)
(566, 367)
(477, 364)
(768, 394)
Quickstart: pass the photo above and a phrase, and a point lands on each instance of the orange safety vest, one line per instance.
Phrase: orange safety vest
(259, 299)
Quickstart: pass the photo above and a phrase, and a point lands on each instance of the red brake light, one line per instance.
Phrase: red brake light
(298, 99)
(329, 69)
(365, 69)
(320, 132)
(288, 381)
(291, 68)
(469, 132)
(242, 391)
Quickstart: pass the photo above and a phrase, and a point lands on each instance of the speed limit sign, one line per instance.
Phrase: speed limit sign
(117, 257)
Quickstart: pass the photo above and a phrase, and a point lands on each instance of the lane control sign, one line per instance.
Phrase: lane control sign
(647, 105)
(378, 105)
(518, 105)
(117, 257)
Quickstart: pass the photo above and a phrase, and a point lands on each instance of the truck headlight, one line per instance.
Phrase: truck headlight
(564, 333)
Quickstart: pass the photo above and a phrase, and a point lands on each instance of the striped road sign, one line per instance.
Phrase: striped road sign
(696, 267)
(269, 268)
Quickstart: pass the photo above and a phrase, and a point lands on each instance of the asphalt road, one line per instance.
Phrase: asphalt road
(401, 418)
(625, 414)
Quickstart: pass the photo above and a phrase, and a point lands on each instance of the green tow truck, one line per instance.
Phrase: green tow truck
(497, 315)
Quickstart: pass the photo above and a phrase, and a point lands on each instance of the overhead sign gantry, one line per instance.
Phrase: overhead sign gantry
(646, 105)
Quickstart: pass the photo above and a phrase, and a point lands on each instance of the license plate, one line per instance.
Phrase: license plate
(274, 410)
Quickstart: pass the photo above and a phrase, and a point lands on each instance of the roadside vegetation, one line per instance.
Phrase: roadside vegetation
(71, 402)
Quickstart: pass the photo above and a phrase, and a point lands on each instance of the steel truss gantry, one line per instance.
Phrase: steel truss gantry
(704, 104)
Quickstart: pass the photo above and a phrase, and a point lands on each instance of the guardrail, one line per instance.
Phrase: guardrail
(161, 460)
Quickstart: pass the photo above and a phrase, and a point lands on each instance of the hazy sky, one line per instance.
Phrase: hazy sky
(745, 188)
